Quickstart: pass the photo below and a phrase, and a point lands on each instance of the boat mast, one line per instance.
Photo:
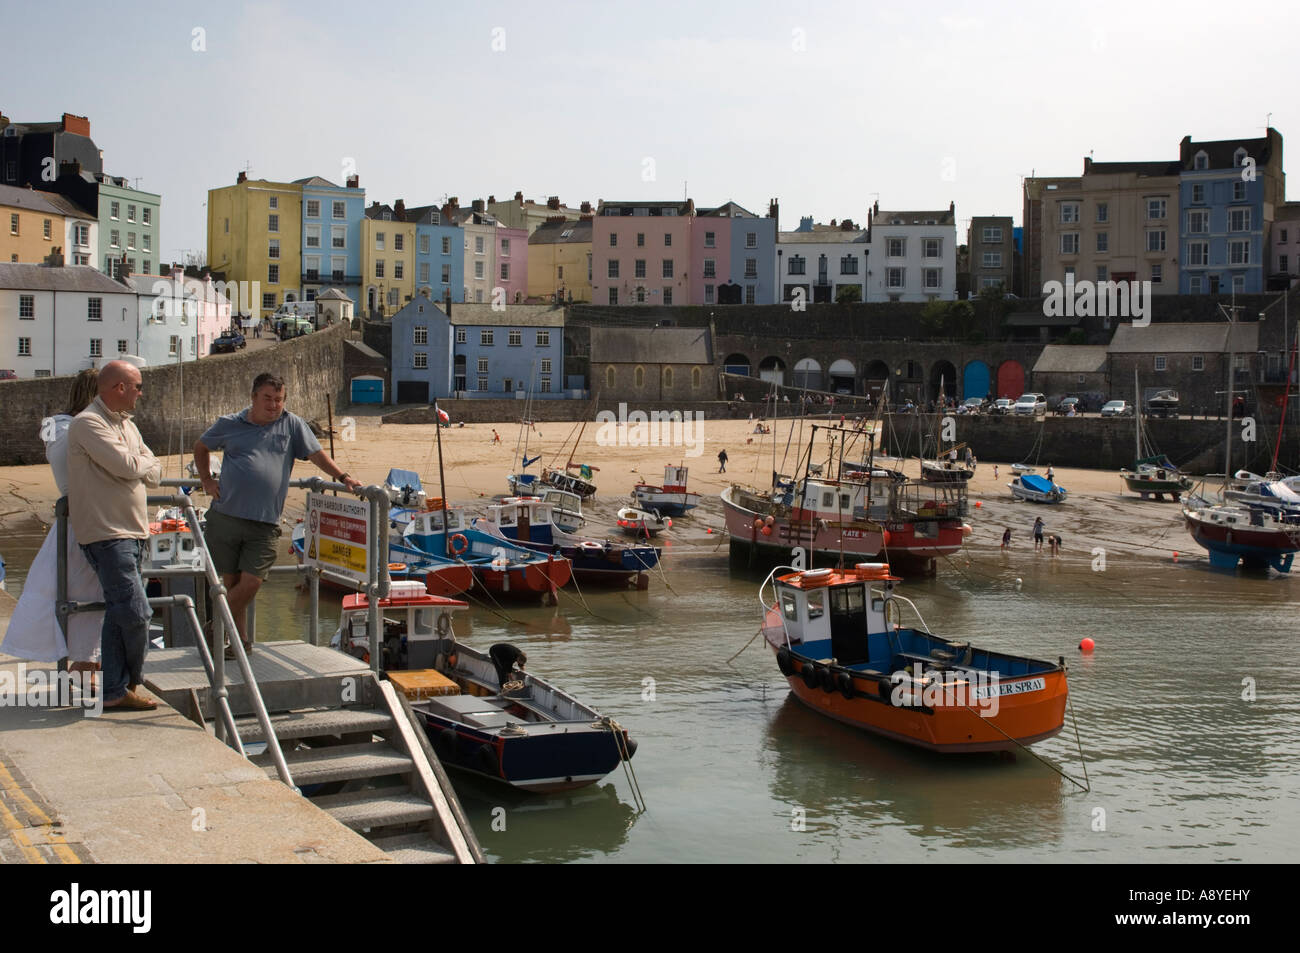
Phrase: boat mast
(442, 481)
(1137, 419)
(1286, 399)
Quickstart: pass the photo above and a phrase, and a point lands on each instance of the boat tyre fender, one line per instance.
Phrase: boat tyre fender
(783, 661)
(886, 691)
(459, 543)
(444, 624)
(486, 759)
(447, 744)
(810, 675)
(829, 683)
(844, 682)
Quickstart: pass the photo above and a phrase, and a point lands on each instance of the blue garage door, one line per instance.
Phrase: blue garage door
(367, 391)
(976, 380)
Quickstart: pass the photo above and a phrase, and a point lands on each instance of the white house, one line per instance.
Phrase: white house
(57, 319)
(80, 231)
(913, 255)
(179, 317)
(820, 260)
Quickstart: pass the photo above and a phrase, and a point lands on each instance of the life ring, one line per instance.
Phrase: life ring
(783, 661)
(810, 675)
(844, 682)
(396, 567)
(444, 624)
(459, 544)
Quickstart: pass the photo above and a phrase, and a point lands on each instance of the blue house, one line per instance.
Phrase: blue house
(331, 237)
(752, 251)
(507, 352)
(439, 254)
(421, 360)
(1228, 191)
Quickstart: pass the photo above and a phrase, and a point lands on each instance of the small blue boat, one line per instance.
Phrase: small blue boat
(1036, 489)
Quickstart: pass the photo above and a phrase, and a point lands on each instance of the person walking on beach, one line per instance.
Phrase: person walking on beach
(995, 471)
(1006, 538)
(1054, 544)
(1038, 535)
(496, 437)
(260, 444)
(109, 467)
(1051, 474)
(722, 461)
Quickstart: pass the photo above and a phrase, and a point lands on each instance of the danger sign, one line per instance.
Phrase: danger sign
(338, 534)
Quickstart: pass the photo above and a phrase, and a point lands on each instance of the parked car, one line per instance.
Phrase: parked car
(971, 405)
(1031, 403)
(292, 328)
(228, 343)
(8, 375)
(1002, 405)
(1070, 403)
(1163, 404)
(1117, 408)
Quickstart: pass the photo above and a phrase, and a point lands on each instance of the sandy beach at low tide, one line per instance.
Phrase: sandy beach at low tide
(1097, 513)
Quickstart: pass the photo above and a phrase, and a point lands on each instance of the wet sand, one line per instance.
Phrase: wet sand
(1097, 512)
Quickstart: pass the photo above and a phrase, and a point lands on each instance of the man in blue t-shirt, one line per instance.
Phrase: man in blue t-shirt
(259, 445)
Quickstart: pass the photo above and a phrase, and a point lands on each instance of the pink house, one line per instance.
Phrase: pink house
(641, 253)
(512, 263)
(710, 255)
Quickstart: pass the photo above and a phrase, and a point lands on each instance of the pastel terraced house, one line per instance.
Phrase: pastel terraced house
(255, 239)
(387, 258)
(331, 237)
(641, 253)
(559, 260)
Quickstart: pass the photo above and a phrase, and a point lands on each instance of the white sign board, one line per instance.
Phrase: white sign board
(338, 535)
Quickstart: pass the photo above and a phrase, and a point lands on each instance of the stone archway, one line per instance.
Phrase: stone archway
(943, 376)
(736, 364)
(772, 370)
(1011, 379)
(808, 374)
(843, 375)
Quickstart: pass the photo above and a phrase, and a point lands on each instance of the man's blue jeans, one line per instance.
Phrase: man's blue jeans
(125, 637)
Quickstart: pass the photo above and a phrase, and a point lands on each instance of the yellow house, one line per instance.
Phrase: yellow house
(255, 236)
(387, 259)
(559, 260)
(31, 227)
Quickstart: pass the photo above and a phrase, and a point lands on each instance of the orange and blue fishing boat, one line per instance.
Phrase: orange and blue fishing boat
(840, 643)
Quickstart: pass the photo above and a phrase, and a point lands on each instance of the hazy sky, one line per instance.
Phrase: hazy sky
(827, 108)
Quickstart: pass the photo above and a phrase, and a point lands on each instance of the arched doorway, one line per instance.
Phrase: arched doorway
(976, 380)
(908, 379)
(943, 376)
(772, 370)
(736, 364)
(808, 373)
(1011, 379)
(876, 375)
(843, 377)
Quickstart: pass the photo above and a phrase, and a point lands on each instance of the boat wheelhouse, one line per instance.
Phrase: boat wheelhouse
(671, 499)
(840, 642)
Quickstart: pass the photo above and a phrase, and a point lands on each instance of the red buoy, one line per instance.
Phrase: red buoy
(1087, 645)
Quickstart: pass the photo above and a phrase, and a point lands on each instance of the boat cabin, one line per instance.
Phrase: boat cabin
(674, 480)
(171, 545)
(830, 613)
(413, 624)
(438, 521)
(527, 518)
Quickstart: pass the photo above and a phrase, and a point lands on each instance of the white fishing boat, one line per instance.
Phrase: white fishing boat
(638, 522)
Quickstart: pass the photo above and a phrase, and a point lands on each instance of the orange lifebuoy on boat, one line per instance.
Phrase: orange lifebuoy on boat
(397, 567)
(459, 544)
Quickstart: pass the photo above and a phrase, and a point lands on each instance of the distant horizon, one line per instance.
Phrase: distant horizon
(826, 111)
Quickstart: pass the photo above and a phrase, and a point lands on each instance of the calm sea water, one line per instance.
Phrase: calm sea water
(731, 766)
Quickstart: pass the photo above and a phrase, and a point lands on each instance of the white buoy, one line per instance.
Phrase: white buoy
(1019, 582)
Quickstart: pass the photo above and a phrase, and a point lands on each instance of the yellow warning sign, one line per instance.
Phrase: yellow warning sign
(339, 535)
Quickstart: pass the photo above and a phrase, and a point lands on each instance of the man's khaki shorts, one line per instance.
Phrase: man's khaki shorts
(240, 545)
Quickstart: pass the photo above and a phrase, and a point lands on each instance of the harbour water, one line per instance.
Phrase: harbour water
(1187, 713)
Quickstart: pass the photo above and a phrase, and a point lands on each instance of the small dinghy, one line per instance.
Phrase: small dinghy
(639, 522)
(1036, 489)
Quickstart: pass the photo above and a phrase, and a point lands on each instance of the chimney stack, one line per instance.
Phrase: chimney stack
(242, 177)
(399, 210)
(492, 200)
(78, 125)
(553, 203)
(477, 205)
(354, 181)
(585, 209)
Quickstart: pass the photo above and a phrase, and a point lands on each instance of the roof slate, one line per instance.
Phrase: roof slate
(654, 346)
(1209, 337)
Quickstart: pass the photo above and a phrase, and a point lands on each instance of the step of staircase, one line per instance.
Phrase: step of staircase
(307, 724)
(339, 763)
(376, 807)
(414, 849)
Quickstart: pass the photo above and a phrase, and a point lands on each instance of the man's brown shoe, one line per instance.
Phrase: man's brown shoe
(132, 701)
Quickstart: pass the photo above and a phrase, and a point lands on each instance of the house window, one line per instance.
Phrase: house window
(1239, 191)
(543, 338)
(796, 265)
(1156, 208)
(1102, 273)
(24, 347)
(399, 269)
(485, 337)
(379, 268)
(173, 345)
(478, 271)
(338, 236)
(424, 244)
(751, 267)
(668, 268)
(130, 211)
(639, 377)
(114, 210)
(668, 296)
(121, 345)
(94, 309)
(1157, 273)
(380, 239)
(609, 377)
(613, 296)
(1198, 254)
(46, 229)
(399, 242)
(1069, 213)
(130, 241)
(337, 267)
(638, 268)
(421, 360)
(1160, 362)
(1238, 219)
(273, 223)
(992, 259)
(479, 247)
(932, 276)
(708, 294)
(114, 237)
(1156, 239)
(424, 272)
(421, 334)
(931, 247)
(640, 239)
(695, 378)
(273, 248)
(482, 365)
(1103, 212)
(446, 274)
(1194, 285)
(894, 277)
(273, 274)
(1281, 263)
(1198, 192)
(460, 335)
(13, 224)
(751, 239)
(710, 268)
(338, 210)
(96, 347)
(482, 384)
(392, 297)
(612, 270)
(446, 245)
(668, 377)
(992, 235)
(544, 366)
(1198, 362)
(1069, 243)
(750, 293)
(613, 239)
(515, 338)
(1239, 251)
(268, 301)
(668, 239)
(546, 385)
(311, 265)
(313, 208)
(1238, 284)
(896, 247)
(709, 241)
(1198, 221)
(27, 307)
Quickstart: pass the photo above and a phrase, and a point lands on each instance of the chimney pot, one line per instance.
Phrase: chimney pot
(242, 177)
